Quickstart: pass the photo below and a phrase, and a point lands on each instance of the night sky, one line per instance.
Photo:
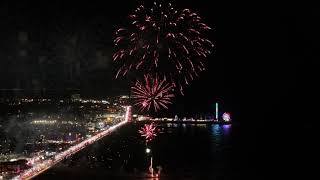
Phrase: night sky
(265, 59)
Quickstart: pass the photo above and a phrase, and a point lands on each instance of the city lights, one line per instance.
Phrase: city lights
(50, 136)
(39, 166)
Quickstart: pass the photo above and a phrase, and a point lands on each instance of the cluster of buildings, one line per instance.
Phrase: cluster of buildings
(59, 124)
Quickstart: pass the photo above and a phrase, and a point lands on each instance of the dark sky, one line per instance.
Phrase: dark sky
(265, 60)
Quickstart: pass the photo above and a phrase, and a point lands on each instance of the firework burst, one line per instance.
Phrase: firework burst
(148, 131)
(153, 91)
(163, 39)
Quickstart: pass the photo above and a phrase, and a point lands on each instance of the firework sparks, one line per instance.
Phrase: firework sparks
(148, 131)
(163, 39)
(153, 91)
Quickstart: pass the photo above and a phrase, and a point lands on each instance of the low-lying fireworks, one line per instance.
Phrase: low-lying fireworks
(153, 91)
(148, 131)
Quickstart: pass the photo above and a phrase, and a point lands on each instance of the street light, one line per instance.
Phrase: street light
(148, 150)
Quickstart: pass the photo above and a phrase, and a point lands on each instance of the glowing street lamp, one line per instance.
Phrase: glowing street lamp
(216, 111)
(148, 150)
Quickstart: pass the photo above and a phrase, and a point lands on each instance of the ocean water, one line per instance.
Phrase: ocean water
(181, 151)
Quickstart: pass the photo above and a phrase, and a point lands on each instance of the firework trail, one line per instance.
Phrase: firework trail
(164, 40)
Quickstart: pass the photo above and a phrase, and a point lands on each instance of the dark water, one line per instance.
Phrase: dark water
(185, 151)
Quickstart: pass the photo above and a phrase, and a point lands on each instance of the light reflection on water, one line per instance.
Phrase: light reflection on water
(181, 149)
(220, 134)
(227, 129)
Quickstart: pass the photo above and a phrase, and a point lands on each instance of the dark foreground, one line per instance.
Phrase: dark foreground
(184, 151)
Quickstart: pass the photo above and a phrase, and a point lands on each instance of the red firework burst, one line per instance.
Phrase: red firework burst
(165, 40)
(148, 131)
(152, 92)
